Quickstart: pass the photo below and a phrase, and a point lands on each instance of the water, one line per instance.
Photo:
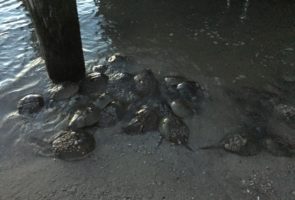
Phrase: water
(222, 44)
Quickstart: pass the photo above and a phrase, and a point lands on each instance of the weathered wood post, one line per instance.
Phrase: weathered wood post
(57, 26)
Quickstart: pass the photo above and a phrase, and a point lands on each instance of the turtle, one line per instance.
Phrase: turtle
(29, 104)
(94, 82)
(243, 144)
(66, 145)
(117, 62)
(181, 108)
(174, 130)
(110, 115)
(122, 87)
(146, 119)
(84, 118)
(89, 115)
(182, 94)
(146, 83)
(191, 91)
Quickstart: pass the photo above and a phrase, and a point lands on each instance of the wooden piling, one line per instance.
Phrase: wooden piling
(58, 31)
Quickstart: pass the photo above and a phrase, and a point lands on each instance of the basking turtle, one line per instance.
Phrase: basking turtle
(174, 130)
(145, 83)
(31, 103)
(66, 145)
(94, 82)
(145, 119)
(242, 144)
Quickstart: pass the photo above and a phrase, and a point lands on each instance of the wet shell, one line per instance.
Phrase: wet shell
(84, 118)
(146, 119)
(181, 108)
(242, 144)
(190, 91)
(70, 145)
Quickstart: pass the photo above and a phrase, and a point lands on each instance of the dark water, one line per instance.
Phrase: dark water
(224, 39)
(221, 43)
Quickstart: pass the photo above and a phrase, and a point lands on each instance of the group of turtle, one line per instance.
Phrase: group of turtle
(143, 102)
(140, 101)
